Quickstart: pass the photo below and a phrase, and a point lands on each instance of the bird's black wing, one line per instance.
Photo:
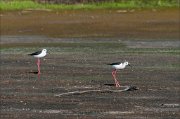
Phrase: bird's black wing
(35, 53)
(115, 63)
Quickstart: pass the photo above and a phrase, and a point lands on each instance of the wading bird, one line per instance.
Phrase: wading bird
(118, 66)
(38, 55)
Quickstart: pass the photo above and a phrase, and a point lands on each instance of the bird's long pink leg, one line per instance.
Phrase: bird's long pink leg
(114, 77)
(117, 82)
(38, 65)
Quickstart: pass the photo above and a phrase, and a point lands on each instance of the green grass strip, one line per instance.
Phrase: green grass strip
(22, 5)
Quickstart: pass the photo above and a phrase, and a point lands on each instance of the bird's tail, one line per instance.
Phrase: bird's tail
(30, 54)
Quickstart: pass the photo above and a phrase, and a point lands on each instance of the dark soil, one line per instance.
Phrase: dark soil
(148, 40)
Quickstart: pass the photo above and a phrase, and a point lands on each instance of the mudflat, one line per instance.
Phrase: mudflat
(97, 23)
(75, 80)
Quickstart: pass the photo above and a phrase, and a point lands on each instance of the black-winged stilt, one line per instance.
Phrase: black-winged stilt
(118, 66)
(38, 55)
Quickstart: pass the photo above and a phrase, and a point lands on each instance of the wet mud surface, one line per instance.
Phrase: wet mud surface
(75, 80)
(129, 24)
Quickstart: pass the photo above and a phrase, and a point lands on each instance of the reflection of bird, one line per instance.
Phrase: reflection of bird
(38, 55)
(117, 66)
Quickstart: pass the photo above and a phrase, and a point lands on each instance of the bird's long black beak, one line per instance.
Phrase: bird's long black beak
(130, 66)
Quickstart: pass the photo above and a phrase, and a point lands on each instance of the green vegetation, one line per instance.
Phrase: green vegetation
(29, 4)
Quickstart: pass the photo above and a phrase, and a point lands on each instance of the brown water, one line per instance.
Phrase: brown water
(128, 24)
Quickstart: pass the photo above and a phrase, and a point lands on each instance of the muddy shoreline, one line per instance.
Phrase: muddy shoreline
(80, 44)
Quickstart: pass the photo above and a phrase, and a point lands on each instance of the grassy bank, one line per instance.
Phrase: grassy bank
(28, 4)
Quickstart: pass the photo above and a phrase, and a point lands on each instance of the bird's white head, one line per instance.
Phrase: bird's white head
(44, 50)
(126, 63)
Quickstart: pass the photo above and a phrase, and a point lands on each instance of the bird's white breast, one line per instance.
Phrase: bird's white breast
(40, 55)
(120, 66)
